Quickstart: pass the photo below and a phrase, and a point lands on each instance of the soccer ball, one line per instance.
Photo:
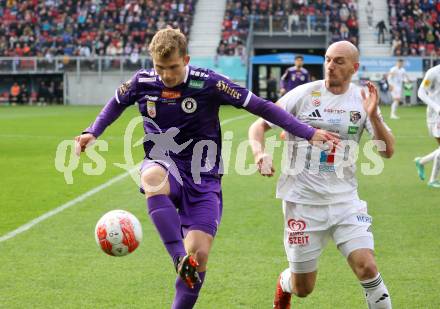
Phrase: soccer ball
(118, 233)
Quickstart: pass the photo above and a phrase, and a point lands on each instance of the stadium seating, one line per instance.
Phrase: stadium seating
(287, 16)
(415, 27)
(84, 28)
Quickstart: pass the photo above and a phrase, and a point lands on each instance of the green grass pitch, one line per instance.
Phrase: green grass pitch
(57, 263)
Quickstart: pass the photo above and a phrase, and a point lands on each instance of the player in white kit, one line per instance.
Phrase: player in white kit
(429, 93)
(396, 76)
(318, 202)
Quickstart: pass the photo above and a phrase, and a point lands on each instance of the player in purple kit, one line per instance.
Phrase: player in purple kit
(294, 76)
(181, 169)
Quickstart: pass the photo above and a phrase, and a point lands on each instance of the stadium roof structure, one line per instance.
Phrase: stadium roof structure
(285, 58)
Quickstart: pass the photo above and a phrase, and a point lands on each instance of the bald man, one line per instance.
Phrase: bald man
(320, 201)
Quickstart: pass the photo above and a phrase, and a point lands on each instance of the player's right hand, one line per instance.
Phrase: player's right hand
(321, 136)
(82, 141)
(265, 165)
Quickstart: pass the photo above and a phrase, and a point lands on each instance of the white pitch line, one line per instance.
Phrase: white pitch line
(59, 209)
(82, 197)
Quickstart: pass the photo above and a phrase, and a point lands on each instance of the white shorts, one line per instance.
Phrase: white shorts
(307, 229)
(396, 93)
(434, 128)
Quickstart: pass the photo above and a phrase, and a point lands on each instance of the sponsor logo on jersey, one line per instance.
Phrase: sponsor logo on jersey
(296, 234)
(334, 111)
(296, 225)
(226, 88)
(151, 98)
(352, 129)
(123, 89)
(364, 219)
(198, 74)
(426, 83)
(355, 116)
(189, 105)
(170, 94)
(315, 114)
(335, 120)
(151, 109)
(147, 79)
(196, 84)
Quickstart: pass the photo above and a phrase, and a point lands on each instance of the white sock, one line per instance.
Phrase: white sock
(377, 294)
(429, 157)
(394, 108)
(285, 281)
(435, 166)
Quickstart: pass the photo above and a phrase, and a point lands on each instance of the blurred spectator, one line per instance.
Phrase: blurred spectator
(381, 28)
(272, 89)
(73, 27)
(384, 90)
(408, 92)
(14, 94)
(24, 94)
(369, 10)
(416, 23)
(287, 16)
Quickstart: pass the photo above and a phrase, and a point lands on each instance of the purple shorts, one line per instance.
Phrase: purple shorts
(199, 205)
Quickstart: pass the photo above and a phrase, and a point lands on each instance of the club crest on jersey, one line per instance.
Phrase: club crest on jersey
(151, 109)
(124, 87)
(355, 116)
(170, 94)
(189, 105)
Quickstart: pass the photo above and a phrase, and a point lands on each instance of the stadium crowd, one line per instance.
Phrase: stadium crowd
(287, 15)
(415, 27)
(87, 27)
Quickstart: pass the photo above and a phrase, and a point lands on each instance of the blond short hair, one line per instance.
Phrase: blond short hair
(166, 41)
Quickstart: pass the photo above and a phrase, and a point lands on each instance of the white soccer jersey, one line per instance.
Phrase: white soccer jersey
(429, 93)
(396, 76)
(313, 176)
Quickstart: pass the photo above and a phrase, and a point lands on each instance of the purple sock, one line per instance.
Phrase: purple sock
(185, 297)
(164, 216)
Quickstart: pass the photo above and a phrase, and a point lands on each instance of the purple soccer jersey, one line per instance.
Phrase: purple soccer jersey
(293, 77)
(192, 107)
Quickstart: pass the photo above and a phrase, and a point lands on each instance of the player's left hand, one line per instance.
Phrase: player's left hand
(372, 101)
(265, 165)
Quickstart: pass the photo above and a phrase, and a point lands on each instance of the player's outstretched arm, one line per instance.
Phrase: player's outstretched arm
(111, 111)
(278, 116)
(256, 139)
(380, 131)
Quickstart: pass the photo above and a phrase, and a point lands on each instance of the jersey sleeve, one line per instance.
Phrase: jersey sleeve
(423, 93)
(229, 92)
(125, 94)
(241, 97)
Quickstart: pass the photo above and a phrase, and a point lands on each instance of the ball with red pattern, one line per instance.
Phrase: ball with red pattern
(118, 233)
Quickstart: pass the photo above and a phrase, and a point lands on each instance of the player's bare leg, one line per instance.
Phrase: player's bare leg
(290, 283)
(198, 245)
(394, 107)
(422, 161)
(363, 264)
